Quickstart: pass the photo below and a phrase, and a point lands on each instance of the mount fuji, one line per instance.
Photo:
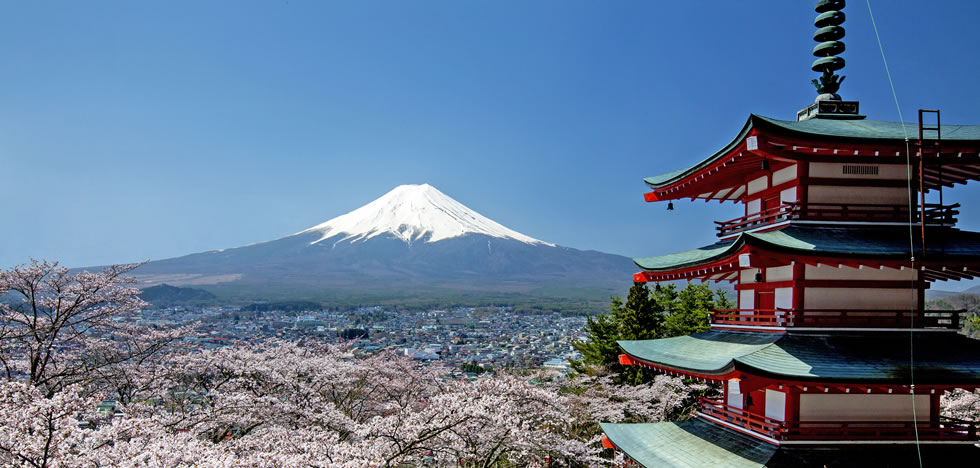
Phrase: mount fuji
(413, 240)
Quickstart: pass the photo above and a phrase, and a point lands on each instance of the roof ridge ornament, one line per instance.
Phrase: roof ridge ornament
(828, 104)
(828, 35)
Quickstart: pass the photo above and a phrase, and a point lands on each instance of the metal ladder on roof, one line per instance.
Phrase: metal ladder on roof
(931, 145)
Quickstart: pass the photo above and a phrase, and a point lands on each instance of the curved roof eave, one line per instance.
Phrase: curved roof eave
(673, 176)
(870, 357)
(858, 130)
(693, 257)
(883, 243)
(712, 352)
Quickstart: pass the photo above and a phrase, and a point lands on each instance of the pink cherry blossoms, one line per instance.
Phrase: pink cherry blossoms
(269, 404)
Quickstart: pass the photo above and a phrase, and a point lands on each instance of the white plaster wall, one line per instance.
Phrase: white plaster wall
(747, 275)
(857, 195)
(863, 298)
(753, 206)
(780, 273)
(783, 175)
(776, 404)
(784, 298)
(788, 195)
(862, 407)
(733, 398)
(836, 170)
(826, 272)
(746, 299)
(758, 185)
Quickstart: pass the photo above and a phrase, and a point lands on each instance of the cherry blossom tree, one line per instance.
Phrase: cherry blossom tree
(65, 345)
(59, 329)
(961, 404)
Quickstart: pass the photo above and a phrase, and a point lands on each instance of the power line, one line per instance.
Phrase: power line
(908, 166)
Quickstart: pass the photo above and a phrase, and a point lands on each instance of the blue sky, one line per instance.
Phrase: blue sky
(139, 130)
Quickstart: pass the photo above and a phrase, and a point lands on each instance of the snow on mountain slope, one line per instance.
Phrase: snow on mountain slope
(413, 212)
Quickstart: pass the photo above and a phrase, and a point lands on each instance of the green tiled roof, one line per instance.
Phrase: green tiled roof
(880, 242)
(824, 129)
(864, 129)
(710, 352)
(701, 444)
(689, 257)
(872, 357)
(692, 443)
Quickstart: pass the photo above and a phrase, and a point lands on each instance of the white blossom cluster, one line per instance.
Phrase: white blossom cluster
(961, 404)
(271, 404)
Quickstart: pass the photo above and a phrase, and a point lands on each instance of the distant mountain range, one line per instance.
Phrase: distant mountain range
(166, 294)
(938, 293)
(413, 241)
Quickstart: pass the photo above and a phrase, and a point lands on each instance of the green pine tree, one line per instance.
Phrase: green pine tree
(692, 310)
(601, 348)
(646, 314)
(642, 317)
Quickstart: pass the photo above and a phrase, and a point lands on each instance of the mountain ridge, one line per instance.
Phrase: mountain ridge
(412, 239)
(437, 216)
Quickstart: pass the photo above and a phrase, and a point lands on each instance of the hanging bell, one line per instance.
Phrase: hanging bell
(765, 164)
(670, 206)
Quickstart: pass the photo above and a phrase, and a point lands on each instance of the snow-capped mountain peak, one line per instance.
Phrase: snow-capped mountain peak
(413, 212)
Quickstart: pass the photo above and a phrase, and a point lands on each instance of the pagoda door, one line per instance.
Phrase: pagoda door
(755, 402)
(765, 300)
(769, 204)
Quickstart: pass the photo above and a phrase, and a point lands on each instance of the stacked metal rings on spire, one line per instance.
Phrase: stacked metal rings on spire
(828, 35)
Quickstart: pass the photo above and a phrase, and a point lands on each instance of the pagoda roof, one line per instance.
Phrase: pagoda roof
(940, 357)
(689, 444)
(855, 131)
(879, 243)
(766, 145)
(700, 443)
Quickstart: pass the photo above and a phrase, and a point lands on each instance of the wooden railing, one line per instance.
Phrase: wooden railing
(941, 429)
(857, 318)
(717, 409)
(901, 318)
(935, 214)
(770, 216)
(761, 317)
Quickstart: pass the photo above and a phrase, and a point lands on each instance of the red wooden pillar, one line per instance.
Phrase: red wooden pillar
(792, 404)
(803, 175)
(799, 277)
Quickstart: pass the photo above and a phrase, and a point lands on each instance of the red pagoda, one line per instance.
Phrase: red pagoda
(831, 358)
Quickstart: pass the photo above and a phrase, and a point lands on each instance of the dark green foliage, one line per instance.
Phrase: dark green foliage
(642, 317)
(601, 349)
(964, 301)
(354, 333)
(474, 368)
(691, 310)
(647, 314)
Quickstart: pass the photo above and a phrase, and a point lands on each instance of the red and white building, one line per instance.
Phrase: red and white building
(831, 357)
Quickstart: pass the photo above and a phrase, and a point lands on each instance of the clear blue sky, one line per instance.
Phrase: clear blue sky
(131, 130)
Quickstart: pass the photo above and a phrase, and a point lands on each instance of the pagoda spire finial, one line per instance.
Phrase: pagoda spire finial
(828, 35)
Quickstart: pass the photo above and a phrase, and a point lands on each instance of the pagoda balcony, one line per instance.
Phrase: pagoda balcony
(767, 217)
(837, 318)
(753, 317)
(717, 409)
(943, 429)
(935, 215)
